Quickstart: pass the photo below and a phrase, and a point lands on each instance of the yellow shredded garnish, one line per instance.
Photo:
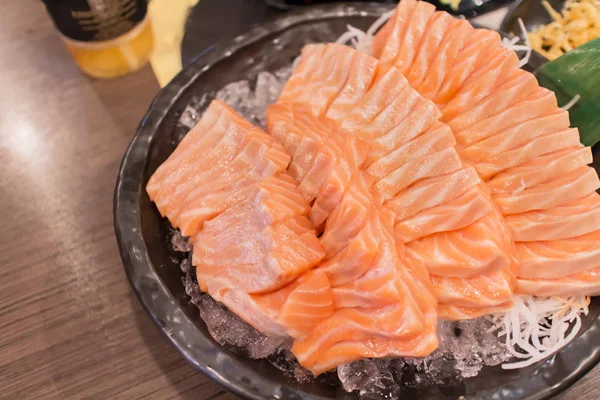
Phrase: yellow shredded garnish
(452, 3)
(577, 23)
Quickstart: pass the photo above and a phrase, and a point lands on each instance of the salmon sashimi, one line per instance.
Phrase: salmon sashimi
(413, 36)
(483, 80)
(475, 249)
(454, 313)
(479, 44)
(265, 261)
(202, 135)
(349, 216)
(543, 168)
(571, 219)
(437, 29)
(394, 36)
(430, 165)
(539, 146)
(452, 215)
(539, 103)
(557, 258)
(519, 85)
(480, 291)
(517, 136)
(204, 208)
(355, 259)
(568, 187)
(446, 56)
(585, 283)
(431, 192)
(299, 306)
(438, 137)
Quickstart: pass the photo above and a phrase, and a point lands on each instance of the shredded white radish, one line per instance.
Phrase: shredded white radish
(511, 44)
(363, 41)
(537, 327)
(571, 103)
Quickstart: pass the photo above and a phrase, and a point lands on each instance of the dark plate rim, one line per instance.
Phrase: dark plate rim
(128, 227)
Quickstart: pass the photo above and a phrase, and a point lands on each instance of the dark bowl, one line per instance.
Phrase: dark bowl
(532, 13)
(153, 267)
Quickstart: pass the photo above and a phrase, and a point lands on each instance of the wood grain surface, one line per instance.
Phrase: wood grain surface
(70, 327)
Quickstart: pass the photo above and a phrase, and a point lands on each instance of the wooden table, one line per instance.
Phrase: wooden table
(70, 327)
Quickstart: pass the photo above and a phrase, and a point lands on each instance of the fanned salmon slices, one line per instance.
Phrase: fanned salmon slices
(432, 180)
(512, 132)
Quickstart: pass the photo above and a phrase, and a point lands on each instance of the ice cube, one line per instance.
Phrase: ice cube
(180, 243)
(189, 117)
(372, 378)
(231, 332)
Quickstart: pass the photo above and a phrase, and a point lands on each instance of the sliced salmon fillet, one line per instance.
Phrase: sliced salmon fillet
(475, 249)
(299, 306)
(436, 138)
(204, 135)
(553, 142)
(413, 36)
(204, 208)
(585, 283)
(431, 192)
(543, 168)
(518, 86)
(430, 165)
(539, 103)
(517, 136)
(571, 219)
(479, 43)
(557, 258)
(454, 313)
(452, 215)
(311, 57)
(480, 291)
(486, 76)
(565, 188)
(394, 36)
(354, 333)
(446, 56)
(265, 261)
(356, 258)
(349, 216)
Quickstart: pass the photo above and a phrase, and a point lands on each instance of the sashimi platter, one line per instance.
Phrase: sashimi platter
(401, 207)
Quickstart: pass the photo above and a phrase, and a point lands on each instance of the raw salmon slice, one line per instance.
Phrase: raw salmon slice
(430, 165)
(585, 283)
(519, 85)
(413, 36)
(394, 36)
(454, 214)
(204, 208)
(431, 192)
(349, 216)
(538, 104)
(452, 312)
(553, 142)
(356, 258)
(517, 136)
(264, 262)
(355, 333)
(486, 76)
(438, 28)
(446, 56)
(558, 258)
(572, 219)
(299, 306)
(475, 249)
(543, 168)
(438, 137)
(477, 47)
(568, 187)
(481, 291)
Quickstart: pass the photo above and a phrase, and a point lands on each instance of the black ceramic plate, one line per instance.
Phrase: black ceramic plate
(152, 267)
